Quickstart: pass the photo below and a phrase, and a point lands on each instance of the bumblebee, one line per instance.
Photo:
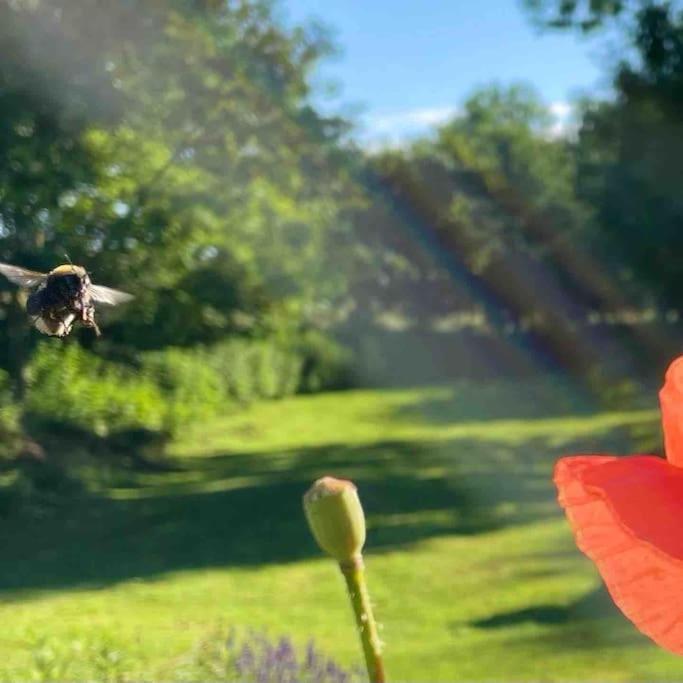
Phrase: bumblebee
(62, 297)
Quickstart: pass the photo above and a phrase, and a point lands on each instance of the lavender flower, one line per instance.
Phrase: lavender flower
(258, 659)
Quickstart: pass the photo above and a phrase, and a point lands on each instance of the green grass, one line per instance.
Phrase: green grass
(471, 565)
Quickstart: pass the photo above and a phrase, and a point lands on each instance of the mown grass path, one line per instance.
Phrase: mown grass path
(470, 563)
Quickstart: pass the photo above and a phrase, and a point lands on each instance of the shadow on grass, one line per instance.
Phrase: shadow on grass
(593, 605)
(245, 509)
(591, 622)
(509, 399)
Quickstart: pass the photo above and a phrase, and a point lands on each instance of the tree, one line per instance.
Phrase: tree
(585, 15)
(159, 142)
(630, 152)
(484, 219)
(493, 183)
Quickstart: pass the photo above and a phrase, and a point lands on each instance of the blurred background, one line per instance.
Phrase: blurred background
(427, 246)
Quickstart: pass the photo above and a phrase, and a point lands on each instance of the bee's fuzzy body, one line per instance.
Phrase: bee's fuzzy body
(61, 300)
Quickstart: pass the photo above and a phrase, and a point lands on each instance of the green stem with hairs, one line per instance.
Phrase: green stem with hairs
(354, 574)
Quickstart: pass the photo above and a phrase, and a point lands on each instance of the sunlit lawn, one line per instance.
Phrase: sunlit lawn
(470, 562)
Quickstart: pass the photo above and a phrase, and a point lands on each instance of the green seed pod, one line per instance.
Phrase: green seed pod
(336, 518)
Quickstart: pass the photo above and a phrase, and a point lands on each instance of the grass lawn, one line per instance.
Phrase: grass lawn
(470, 562)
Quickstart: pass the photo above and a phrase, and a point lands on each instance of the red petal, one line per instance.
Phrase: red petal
(671, 400)
(627, 516)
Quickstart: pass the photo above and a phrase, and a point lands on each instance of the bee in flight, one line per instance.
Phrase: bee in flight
(62, 297)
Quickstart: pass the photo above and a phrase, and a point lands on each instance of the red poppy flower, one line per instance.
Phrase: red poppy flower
(627, 516)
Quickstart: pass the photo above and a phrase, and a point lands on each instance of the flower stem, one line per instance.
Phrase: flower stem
(354, 574)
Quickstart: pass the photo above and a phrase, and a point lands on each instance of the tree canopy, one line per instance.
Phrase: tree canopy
(172, 147)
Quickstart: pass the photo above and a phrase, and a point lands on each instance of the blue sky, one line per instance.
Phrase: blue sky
(406, 64)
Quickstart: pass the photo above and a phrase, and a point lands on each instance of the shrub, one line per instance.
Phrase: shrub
(190, 387)
(254, 658)
(71, 386)
(326, 363)
(256, 369)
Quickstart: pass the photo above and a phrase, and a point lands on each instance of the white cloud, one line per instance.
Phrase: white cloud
(397, 127)
(400, 125)
(560, 110)
(425, 116)
(563, 123)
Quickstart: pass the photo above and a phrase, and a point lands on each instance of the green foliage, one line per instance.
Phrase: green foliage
(172, 147)
(254, 657)
(95, 657)
(10, 432)
(630, 153)
(629, 149)
(527, 195)
(326, 363)
(188, 387)
(71, 386)
(170, 389)
(460, 225)
(210, 380)
(253, 369)
(585, 15)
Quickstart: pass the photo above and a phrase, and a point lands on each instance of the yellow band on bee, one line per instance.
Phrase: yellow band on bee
(68, 269)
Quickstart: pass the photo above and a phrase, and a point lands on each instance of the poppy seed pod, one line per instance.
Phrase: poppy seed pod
(336, 518)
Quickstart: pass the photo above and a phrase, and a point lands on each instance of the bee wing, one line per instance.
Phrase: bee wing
(21, 276)
(107, 295)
